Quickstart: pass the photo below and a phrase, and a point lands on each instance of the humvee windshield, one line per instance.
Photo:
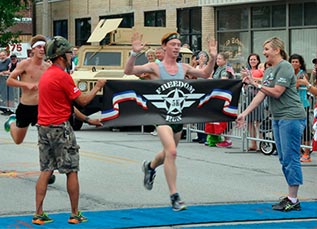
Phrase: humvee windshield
(103, 58)
(109, 59)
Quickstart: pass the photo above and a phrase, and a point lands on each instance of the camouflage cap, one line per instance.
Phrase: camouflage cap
(58, 46)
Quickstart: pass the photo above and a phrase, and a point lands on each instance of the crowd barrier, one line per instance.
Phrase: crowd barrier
(264, 134)
(9, 96)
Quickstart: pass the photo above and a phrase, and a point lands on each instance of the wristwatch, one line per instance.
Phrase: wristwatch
(259, 86)
(87, 119)
(132, 53)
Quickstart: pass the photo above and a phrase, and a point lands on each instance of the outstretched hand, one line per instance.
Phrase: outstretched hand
(240, 121)
(212, 46)
(96, 122)
(137, 43)
(246, 76)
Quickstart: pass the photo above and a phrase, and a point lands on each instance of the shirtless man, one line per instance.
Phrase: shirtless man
(167, 69)
(26, 76)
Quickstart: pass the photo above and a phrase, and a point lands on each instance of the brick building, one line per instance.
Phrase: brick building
(240, 26)
(25, 24)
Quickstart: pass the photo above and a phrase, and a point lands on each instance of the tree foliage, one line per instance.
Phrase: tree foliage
(9, 13)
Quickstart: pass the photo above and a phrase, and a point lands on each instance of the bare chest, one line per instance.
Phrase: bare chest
(33, 73)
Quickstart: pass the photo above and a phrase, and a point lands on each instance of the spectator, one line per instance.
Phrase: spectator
(279, 86)
(13, 63)
(150, 55)
(74, 66)
(224, 71)
(6, 94)
(159, 53)
(57, 142)
(299, 66)
(312, 89)
(203, 60)
(257, 115)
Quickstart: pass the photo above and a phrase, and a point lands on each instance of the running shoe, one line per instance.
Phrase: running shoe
(41, 219)
(305, 158)
(177, 203)
(76, 219)
(224, 144)
(286, 205)
(149, 175)
(7, 123)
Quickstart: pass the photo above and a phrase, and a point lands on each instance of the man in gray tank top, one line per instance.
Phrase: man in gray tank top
(168, 69)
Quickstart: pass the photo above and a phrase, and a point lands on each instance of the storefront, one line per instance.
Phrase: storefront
(240, 26)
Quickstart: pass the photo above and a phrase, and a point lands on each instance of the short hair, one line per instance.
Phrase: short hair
(37, 38)
(169, 36)
(150, 51)
(277, 43)
(224, 55)
(205, 54)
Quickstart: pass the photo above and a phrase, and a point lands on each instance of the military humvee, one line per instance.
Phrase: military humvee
(107, 61)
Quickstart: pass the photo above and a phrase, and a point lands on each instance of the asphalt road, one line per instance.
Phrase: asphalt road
(111, 176)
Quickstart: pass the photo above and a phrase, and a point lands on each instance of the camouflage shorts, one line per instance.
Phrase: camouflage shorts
(58, 148)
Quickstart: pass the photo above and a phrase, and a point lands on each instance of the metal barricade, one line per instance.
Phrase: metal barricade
(262, 122)
(9, 96)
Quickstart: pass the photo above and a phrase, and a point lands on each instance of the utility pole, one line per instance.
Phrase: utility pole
(45, 18)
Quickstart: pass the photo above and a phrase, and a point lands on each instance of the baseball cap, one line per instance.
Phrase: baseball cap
(314, 61)
(13, 56)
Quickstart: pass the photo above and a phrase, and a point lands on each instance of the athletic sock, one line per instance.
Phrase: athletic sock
(294, 200)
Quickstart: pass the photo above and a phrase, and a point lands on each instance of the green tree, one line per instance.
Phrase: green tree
(9, 13)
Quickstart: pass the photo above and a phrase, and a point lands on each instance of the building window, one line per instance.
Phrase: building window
(303, 14)
(233, 19)
(295, 23)
(60, 28)
(189, 27)
(155, 18)
(127, 19)
(82, 31)
(268, 16)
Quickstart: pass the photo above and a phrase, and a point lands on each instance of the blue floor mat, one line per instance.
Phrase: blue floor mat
(159, 217)
(305, 224)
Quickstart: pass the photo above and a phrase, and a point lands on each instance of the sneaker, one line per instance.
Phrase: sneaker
(224, 144)
(41, 219)
(76, 219)
(149, 175)
(177, 204)
(305, 158)
(7, 123)
(154, 133)
(286, 205)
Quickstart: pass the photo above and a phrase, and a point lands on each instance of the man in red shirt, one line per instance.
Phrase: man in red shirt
(57, 142)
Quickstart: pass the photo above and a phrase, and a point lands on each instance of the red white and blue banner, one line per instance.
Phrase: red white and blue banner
(150, 102)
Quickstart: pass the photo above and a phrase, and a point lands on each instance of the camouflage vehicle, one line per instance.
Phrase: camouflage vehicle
(107, 61)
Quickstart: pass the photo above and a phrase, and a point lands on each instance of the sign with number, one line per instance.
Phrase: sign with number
(19, 49)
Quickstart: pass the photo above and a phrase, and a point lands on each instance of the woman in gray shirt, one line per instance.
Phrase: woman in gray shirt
(289, 118)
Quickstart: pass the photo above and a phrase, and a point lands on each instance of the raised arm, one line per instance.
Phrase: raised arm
(137, 46)
(206, 72)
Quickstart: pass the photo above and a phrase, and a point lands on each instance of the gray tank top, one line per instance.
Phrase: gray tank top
(164, 75)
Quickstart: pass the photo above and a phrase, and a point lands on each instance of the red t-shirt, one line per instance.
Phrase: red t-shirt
(57, 90)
